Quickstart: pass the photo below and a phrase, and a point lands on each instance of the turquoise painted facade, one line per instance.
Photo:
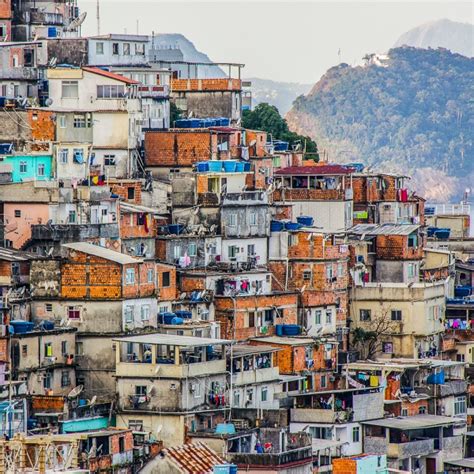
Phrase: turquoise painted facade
(30, 167)
(85, 424)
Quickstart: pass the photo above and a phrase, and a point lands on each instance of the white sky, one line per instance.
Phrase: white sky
(285, 41)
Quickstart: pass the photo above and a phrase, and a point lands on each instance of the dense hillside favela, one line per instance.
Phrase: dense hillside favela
(181, 294)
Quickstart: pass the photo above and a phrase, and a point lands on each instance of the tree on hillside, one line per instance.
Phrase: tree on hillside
(267, 118)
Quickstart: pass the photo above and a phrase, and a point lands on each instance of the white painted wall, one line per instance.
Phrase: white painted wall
(260, 244)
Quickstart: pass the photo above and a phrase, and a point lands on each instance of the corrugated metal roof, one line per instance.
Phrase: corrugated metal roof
(414, 422)
(102, 252)
(173, 340)
(129, 207)
(194, 458)
(243, 349)
(383, 229)
(15, 256)
(316, 170)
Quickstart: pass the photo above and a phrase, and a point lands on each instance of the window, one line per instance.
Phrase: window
(232, 251)
(192, 249)
(251, 319)
(121, 444)
(62, 121)
(47, 380)
(250, 250)
(65, 380)
(128, 314)
(15, 61)
(232, 220)
(250, 394)
(64, 347)
(41, 169)
(236, 398)
(99, 48)
(307, 275)
(23, 167)
(328, 316)
(323, 381)
(79, 121)
(460, 406)
(145, 312)
(79, 348)
(340, 269)
(48, 349)
(253, 218)
(404, 412)
(411, 270)
(130, 276)
(355, 434)
(320, 433)
(24, 350)
(63, 155)
(150, 275)
(126, 49)
(387, 348)
(73, 312)
(109, 160)
(135, 425)
(70, 89)
(131, 193)
(78, 155)
(365, 314)
(292, 240)
(329, 273)
(72, 217)
(264, 394)
(166, 280)
(48, 307)
(140, 390)
(17, 213)
(115, 49)
(3, 30)
(396, 315)
(177, 252)
(115, 91)
(422, 410)
(317, 317)
(140, 49)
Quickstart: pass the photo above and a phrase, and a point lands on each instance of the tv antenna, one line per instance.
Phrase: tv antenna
(98, 18)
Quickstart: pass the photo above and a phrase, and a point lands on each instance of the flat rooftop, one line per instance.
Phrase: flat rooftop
(414, 422)
(243, 350)
(172, 340)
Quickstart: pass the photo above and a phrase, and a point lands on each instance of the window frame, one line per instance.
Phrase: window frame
(367, 315)
(74, 85)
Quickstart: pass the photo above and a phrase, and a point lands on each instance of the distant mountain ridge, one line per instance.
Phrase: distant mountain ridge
(414, 115)
(452, 35)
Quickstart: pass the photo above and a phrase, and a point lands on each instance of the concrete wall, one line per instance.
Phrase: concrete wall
(243, 226)
(260, 249)
(137, 310)
(389, 271)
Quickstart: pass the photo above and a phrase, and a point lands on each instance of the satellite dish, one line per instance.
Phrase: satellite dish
(53, 61)
(150, 390)
(253, 143)
(48, 102)
(157, 370)
(92, 401)
(75, 391)
(158, 430)
(77, 22)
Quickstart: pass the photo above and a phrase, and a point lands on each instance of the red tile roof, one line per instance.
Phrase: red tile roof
(194, 458)
(110, 75)
(316, 170)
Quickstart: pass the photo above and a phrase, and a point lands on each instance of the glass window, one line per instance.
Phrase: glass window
(63, 155)
(396, 315)
(128, 314)
(99, 48)
(73, 312)
(17, 213)
(264, 394)
(115, 91)
(72, 217)
(232, 220)
(329, 272)
(47, 380)
(422, 410)
(150, 275)
(64, 348)
(23, 166)
(365, 314)
(355, 434)
(253, 218)
(323, 381)
(115, 49)
(166, 279)
(109, 160)
(65, 380)
(328, 316)
(130, 276)
(126, 49)
(41, 169)
(140, 49)
(460, 406)
(317, 317)
(79, 121)
(307, 275)
(70, 89)
(145, 312)
(192, 249)
(62, 121)
(340, 269)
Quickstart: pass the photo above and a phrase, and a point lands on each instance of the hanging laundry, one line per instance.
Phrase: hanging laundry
(374, 381)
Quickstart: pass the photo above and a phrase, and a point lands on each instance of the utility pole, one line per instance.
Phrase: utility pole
(98, 17)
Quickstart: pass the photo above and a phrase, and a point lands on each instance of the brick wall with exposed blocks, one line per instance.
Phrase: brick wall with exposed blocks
(283, 212)
(261, 169)
(170, 292)
(412, 409)
(395, 247)
(260, 139)
(189, 282)
(237, 327)
(179, 148)
(130, 227)
(314, 246)
(5, 268)
(43, 128)
(5, 9)
(128, 442)
(308, 194)
(365, 189)
(121, 189)
(3, 349)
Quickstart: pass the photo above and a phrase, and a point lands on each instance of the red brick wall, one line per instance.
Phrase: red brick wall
(5, 9)
(129, 227)
(3, 349)
(395, 247)
(260, 138)
(121, 189)
(43, 128)
(308, 194)
(169, 293)
(182, 148)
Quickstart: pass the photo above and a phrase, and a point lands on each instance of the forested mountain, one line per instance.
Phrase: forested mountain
(412, 112)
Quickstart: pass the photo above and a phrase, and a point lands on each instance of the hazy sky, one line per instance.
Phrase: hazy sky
(285, 41)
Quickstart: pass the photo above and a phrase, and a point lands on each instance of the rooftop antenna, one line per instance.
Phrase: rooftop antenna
(138, 26)
(98, 18)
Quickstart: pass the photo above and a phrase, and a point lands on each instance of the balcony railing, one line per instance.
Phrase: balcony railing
(74, 232)
(422, 447)
(44, 18)
(154, 92)
(272, 459)
(245, 198)
(203, 85)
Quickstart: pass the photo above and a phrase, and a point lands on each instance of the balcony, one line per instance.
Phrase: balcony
(422, 447)
(309, 195)
(313, 415)
(205, 85)
(74, 232)
(298, 456)
(44, 18)
(452, 387)
(154, 92)
(173, 371)
(255, 376)
(246, 198)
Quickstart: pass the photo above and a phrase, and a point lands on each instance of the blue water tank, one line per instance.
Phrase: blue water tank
(202, 167)
(175, 228)
(21, 327)
(306, 221)
(279, 330)
(166, 318)
(276, 226)
(47, 325)
(177, 320)
(52, 32)
(291, 330)
(292, 225)
(229, 166)
(184, 314)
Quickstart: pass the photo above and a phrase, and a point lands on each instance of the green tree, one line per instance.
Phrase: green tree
(267, 118)
(175, 113)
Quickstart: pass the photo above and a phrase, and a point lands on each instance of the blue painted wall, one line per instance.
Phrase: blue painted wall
(33, 163)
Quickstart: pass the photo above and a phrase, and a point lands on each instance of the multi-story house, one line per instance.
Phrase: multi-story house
(171, 385)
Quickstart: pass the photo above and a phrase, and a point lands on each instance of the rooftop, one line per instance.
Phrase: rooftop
(383, 229)
(195, 458)
(289, 341)
(316, 170)
(102, 252)
(244, 349)
(173, 340)
(110, 75)
(137, 209)
(11, 255)
(416, 422)
(121, 37)
(402, 364)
